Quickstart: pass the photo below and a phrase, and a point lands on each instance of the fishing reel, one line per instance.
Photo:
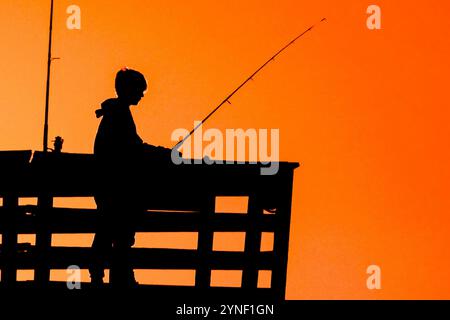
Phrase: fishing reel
(57, 144)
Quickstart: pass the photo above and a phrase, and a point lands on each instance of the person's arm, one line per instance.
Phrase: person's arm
(152, 148)
(158, 151)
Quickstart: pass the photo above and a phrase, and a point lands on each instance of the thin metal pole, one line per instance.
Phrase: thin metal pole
(47, 92)
(227, 99)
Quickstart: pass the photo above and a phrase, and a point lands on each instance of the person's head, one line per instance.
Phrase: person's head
(130, 85)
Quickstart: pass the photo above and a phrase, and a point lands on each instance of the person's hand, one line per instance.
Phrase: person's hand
(163, 150)
(157, 152)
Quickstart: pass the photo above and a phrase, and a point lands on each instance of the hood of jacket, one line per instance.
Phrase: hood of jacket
(107, 107)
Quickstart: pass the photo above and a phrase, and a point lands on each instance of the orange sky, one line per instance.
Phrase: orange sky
(364, 112)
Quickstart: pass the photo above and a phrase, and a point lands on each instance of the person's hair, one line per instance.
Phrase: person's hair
(128, 80)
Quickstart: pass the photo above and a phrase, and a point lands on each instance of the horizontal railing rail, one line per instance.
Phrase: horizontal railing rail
(178, 199)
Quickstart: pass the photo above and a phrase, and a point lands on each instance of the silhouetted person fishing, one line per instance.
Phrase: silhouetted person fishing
(119, 154)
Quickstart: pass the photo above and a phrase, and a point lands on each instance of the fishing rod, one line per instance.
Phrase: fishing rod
(227, 99)
(47, 92)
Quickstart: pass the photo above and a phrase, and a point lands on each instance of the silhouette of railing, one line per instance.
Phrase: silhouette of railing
(179, 199)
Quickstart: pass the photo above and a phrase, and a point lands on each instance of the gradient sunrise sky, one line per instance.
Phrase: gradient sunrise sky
(364, 112)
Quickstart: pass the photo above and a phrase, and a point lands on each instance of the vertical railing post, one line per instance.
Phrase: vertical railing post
(9, 241)
(252, 244)
(43, 241)
(281, 236)
(205, 243)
